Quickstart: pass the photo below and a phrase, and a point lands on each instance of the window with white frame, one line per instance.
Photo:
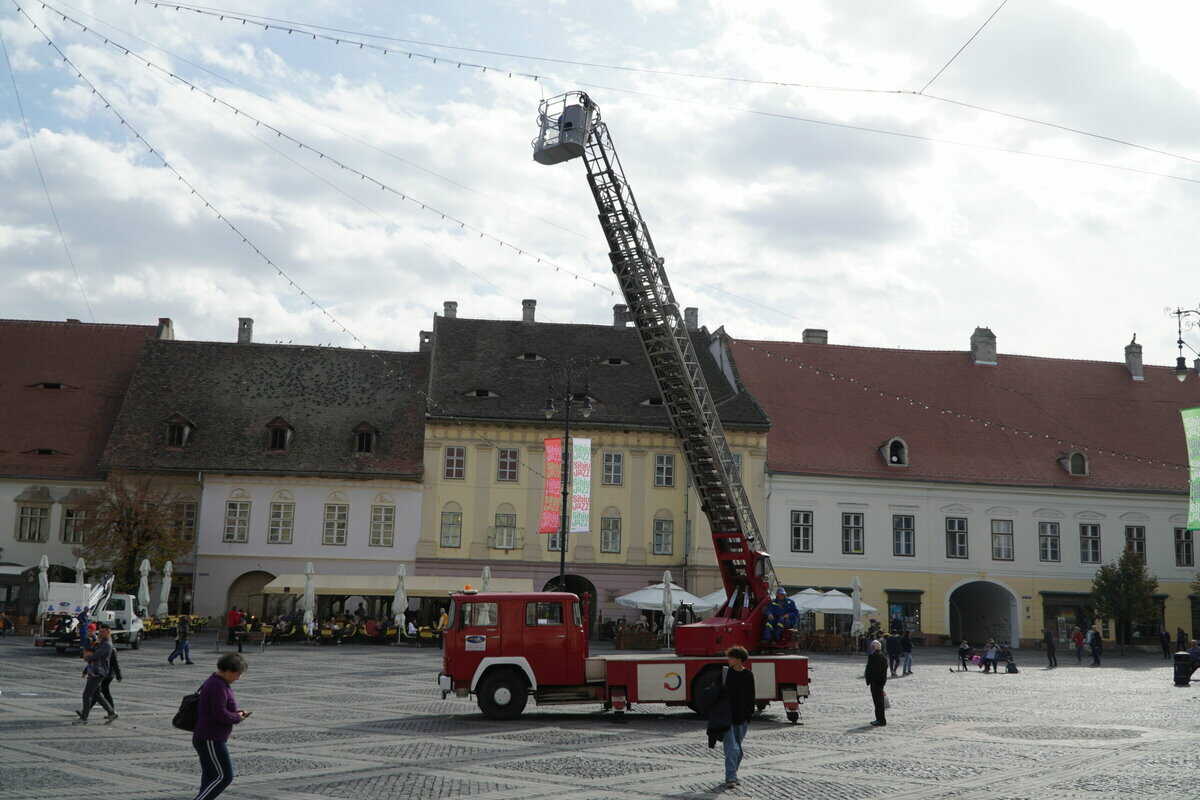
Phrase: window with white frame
(1002, 540)
(904, 535)
(853, 536)
(1135, 539)
(72, 527)
(508, 459)
(610, 534)
(185, 521)
(33, 523)
(282, 523)
(802, 531)
(237, 521)
(664, 537)
(337, 521)
(1089, 543)
(505, 532)
(664, 469)
(956, 537)
(455, 463)
(383, 526)
(1185, 554)
(450, 532)
(613, 473)
(1049, 549)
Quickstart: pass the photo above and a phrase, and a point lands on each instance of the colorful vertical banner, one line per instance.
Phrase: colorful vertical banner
(549, 522)
(1191, 431)
(581, 485)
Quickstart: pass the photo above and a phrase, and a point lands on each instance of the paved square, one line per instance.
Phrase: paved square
(366, 722)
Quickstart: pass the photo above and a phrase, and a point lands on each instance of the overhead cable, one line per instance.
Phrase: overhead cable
(966, 44)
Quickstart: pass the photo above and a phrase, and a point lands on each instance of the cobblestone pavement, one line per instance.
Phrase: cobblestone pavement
(366, 722)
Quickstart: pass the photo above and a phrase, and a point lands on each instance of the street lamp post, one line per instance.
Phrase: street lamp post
(568, 400)
(1181, 367)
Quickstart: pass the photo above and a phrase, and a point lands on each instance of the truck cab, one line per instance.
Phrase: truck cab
(502, 647)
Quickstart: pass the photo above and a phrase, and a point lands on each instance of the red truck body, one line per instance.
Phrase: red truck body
(507, 648)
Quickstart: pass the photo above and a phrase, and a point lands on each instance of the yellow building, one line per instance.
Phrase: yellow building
(489, 385)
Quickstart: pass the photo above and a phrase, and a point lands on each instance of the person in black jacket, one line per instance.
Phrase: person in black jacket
(1051, 649)
(114, 671)
(730, 715)
(892, 646)
(876, 676)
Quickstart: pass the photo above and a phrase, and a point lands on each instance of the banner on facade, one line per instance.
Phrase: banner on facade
(581, 485)
(549, 521)
(1191, 431)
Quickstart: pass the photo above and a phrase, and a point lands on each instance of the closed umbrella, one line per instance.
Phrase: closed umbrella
(164, 590)
(143, 595)
(856, 609)
(485, 580)
(310, 597)
(43, 582)
(400, 597)
(667, 606)
(80, 588)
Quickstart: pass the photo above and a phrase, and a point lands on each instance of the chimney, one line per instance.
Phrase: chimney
(166, 329)
(815, 336)
(1133, 359)
(527, 309)
(71, 319)
(620, 315)
(691, 319)
(450, 309)
(426, 342)
(245, 330)
(1196, 366)
(983, 347)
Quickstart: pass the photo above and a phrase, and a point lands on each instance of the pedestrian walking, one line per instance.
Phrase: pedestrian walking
(1097, 645)
(1077, 639)
(964, 654)
(876, 676)
(1165, 639)
(182, 648)
(991, 656)
(734, 706)
(216, 714)
(1051, 649)
(892, 646)
(97, 669)
(906, 652)
(114, 671)
(1181, 640)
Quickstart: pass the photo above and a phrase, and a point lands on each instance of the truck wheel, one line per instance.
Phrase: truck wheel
(135, 641)
(760, 706)
(793, 717)
(502, 695)
(705, 688)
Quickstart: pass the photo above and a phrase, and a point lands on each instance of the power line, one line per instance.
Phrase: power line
(292, 26)
(967, 43)
(62, 237)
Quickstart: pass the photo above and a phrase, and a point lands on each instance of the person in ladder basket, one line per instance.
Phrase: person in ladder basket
(781, 615)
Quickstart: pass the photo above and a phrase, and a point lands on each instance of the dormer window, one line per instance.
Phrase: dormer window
(44, 451)
(48, 385)
(1075, 463)
(614, 362)
(482, 393)
(279, 434)
(895, 452)
(652, 401)
(179, 430)
(530, 357)
(364, 438)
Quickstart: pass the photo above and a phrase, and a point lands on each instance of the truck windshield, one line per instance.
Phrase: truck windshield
(452, 615)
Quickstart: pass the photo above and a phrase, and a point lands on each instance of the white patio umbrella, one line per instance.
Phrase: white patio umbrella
(310, 594)
(80, 588)
(835, 602)
(805, 598)
(650, 598)
(400, 597)
(856, 606)
(485, 580)
(43, 582)
(668, 607)
(143, 595)
(164, 590)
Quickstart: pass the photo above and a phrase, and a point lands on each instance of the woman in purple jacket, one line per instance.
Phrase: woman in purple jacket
(217, 714)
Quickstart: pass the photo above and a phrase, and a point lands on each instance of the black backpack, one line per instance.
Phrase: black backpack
(189, 712)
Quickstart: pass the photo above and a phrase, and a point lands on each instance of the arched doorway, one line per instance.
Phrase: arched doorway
(980, 610)
(582, 587)
(246, 592)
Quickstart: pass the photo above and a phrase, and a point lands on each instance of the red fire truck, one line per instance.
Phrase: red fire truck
(504, 648)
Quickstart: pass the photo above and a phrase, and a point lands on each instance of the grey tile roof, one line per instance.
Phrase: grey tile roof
(477, 354)
(230, 392)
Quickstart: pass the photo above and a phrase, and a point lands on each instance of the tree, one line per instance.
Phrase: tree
(1123, 591)
(126, 521)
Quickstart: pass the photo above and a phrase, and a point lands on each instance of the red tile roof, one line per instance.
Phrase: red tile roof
(826, 426)
(95, 364)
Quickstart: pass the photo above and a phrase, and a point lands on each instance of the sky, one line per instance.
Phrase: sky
(769, 220)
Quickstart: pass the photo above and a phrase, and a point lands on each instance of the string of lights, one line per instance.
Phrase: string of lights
(951, 413)
(280, 133)
(313, 31)
(430, 402)
(62, 237)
